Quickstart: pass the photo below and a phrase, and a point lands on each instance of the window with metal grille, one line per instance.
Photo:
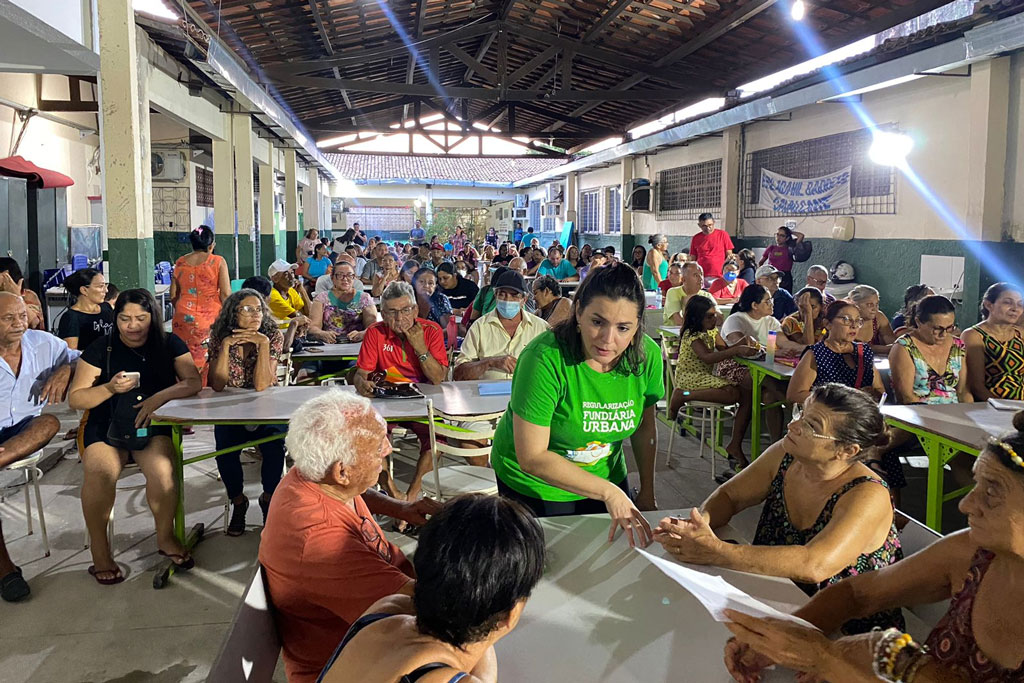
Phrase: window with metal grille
(204, 187)
(688, 191)
(614, 199)
(872, 187)
(549, 224)
(590, 212)
(533, 211)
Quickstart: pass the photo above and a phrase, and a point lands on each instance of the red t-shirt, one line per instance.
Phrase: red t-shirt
(325, 564)
(719, 288)
(710, 250)
(382, 349)
(664, 286)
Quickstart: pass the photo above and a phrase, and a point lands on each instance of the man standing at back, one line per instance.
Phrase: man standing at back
(711, 246)
(417, 234)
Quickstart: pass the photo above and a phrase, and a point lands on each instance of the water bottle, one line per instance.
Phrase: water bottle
(769, 355)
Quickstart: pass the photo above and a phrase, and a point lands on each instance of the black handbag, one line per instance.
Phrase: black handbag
(122, 432)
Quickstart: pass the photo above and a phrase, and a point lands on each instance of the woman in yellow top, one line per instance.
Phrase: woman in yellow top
(807, 325)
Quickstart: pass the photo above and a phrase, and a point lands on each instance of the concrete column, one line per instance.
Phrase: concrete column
(987, 141)
(731, 174)
(268, 241)
(241, 125)
(224, 204)
(310, 205)
(291, 204)
(124, 145)
(626, 167)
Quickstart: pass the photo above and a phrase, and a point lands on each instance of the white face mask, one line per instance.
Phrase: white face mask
(462, 272)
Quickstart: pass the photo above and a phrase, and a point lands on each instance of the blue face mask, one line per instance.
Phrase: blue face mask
(730, 276)
(508, 309)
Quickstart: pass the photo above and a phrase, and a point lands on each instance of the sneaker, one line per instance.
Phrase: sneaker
(13, 587)
(236, 527)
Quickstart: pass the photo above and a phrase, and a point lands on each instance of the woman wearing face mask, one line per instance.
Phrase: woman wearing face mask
(459, 290)
(728, 288)
(579, 391)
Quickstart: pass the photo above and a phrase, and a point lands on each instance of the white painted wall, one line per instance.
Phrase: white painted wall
(1013, 206)
(67, 16)
(51, 145)
(366, 194)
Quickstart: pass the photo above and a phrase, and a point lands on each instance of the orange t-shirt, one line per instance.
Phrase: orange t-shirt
(325, 564)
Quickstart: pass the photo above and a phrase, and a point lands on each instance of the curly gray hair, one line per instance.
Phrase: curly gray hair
(227, 320)
(397, 290)
(325, 430)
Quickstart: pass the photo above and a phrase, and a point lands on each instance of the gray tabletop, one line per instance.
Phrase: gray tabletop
(277, 404)
(329, 351)
(603, 612)
(970, 424)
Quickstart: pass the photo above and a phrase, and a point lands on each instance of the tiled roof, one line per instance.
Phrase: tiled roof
(386, 167)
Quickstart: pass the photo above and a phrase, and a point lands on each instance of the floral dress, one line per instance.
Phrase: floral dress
(929, 386)
(692, 373)
(198, 305)
(775, 528)
(952, 642)
(342, 317)
(241, 366)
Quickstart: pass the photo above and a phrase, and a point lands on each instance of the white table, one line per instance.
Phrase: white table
(943, 431)
(604, 613)
(329, 352)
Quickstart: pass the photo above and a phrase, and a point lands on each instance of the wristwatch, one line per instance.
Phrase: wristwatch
(423, 357)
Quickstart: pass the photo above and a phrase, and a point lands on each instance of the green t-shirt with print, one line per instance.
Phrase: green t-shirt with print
(589, 413)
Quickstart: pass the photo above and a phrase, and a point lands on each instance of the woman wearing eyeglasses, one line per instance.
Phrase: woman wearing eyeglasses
(344, 311)
(837, 358)
(928, 362)
(826, 516)
(244, 347)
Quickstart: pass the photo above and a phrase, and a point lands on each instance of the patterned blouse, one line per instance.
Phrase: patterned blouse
(242, 366)
(775, 528)
(1004, 365)
(929, 386)
(793, 327)
(342, 317)
(832, 366)
(952, 642)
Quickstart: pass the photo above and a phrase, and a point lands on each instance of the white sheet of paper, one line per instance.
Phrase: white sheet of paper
(1004, 404)
(717, 594)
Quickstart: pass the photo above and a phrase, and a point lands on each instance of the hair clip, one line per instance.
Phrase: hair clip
(1016, 459)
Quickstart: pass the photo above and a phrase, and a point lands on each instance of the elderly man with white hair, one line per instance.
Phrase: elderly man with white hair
(817, 277)
(325, 558)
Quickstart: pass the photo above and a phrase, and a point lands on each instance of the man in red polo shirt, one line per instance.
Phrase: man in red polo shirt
(408, 349)
(710, 247)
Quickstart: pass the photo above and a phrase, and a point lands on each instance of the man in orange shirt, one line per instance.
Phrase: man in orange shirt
(325, 558)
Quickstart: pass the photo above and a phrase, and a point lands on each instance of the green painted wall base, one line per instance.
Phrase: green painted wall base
(226, 247)
(169, 246)
(291, 243)
(268, 252)
(246, 256)
(130, 262)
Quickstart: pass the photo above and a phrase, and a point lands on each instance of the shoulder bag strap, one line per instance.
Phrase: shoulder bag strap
(860, 367)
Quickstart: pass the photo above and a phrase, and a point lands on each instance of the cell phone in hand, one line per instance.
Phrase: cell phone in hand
(135, 376)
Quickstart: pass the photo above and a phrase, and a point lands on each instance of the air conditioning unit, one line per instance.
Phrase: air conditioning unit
(167, 165)
(519, 214)
(521, 201)
(639, 196)
(555, 193)
(552, 209)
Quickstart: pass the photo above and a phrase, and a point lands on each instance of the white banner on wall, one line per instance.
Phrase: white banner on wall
(804, 195)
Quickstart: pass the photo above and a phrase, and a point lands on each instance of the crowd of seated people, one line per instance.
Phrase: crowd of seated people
(349, 603)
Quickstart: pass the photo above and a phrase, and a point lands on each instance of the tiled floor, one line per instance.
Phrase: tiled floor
(74, 630)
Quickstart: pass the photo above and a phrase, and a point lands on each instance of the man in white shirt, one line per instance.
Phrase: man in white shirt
(35, 368)
(493, 343)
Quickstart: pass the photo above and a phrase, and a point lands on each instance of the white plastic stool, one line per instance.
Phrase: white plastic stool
(32, 474)
(709, 415)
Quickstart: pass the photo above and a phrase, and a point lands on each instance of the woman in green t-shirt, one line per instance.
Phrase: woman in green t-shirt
(579, 390)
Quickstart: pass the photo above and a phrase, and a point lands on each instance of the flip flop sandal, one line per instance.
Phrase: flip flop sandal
(13, 587)
(116, 571)
(182, 563)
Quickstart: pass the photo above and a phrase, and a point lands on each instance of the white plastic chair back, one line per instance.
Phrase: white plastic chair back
(250, 650)
(452, 480)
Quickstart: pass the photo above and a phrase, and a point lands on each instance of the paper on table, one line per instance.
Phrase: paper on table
(1003, 404)
(717, 594)
(495, 388)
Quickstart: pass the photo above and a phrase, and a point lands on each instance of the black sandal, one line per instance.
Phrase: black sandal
(13, 587)
(182, 561)
(236, 527)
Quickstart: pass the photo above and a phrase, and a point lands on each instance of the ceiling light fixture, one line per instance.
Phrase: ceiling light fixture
(797, 10)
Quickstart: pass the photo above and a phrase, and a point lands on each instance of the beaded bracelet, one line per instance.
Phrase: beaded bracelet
(896, 657)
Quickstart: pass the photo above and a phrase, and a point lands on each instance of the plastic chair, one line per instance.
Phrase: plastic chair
(29, 466)
(251, 648)
(712, 414)
(453, 480)
(915, 537)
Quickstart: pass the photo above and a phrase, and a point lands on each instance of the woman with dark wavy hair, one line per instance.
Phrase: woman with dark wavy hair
(579, 391)
(468, 597)
(245, 344)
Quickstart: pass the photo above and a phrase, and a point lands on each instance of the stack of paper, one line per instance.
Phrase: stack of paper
(1004, 404)
(717, 594)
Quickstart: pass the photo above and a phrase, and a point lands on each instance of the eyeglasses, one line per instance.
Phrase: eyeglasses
(797, 426)
(397, 312)
(344, 276)
(372, 536)
(817, 280)
(250, 310)
(949, 329)
(850, 322)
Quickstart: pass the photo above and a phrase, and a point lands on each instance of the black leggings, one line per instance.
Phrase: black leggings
(559, 508)
(229, 465)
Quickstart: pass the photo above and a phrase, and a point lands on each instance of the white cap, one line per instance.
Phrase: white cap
(766, 270)
(280, 266)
